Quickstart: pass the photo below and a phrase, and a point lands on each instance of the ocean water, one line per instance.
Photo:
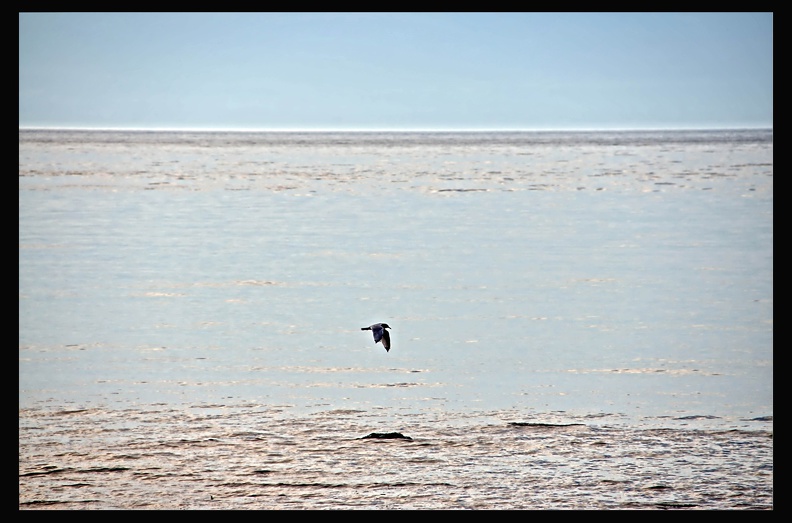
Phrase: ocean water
(579, 319)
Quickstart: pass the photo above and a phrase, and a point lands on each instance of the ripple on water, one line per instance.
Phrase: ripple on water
(254, 457)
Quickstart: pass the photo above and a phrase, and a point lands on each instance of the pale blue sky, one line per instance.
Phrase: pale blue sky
(396, 70)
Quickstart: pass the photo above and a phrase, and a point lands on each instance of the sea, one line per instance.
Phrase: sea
(579, 319)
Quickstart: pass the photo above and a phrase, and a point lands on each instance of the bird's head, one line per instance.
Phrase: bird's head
(386, 326)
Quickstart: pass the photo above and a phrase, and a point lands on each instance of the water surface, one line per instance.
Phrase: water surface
(196, 290)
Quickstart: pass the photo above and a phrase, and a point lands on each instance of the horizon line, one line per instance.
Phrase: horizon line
(385, 129)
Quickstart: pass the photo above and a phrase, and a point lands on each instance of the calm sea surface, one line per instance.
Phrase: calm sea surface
(579, 319)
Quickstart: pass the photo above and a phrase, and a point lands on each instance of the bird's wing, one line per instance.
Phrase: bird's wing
(378, 333)
(386, 339)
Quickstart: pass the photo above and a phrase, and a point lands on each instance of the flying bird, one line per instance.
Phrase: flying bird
(380, 334)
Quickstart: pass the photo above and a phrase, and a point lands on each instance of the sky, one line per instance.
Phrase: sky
(396, 70)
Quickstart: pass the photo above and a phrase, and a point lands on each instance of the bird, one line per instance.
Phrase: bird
(380, 334)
